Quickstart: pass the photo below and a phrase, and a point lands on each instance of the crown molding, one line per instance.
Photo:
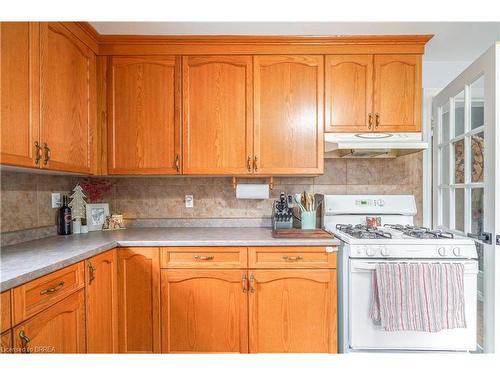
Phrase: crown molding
(250, 44)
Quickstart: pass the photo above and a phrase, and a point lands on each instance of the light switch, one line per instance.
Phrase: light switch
(189, 201)
(56, 200)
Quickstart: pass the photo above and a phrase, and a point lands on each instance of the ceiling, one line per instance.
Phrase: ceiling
(453, 41)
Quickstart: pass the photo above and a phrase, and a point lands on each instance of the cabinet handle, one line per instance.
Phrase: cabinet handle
(38, 153)
(53, 289)
(370, 120)
(377, 120)
(252, 283)
(25, 340)
(255, 163)
(244, 283)
(177, 163)
(292, 259)
(47, 153)
(91, 273)
(204, 257)
(249, 164)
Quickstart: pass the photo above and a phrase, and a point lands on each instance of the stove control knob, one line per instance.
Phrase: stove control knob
(442, 251)
(385, 251)
(457, 251)
(380, 202)
(370, 251)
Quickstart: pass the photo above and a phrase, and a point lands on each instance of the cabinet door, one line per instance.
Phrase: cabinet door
(58, 329)
(143, 121)
(19, 93)
(138, 300)
(101, 303)
(288, 114)
(5, 311)
(397, 93)
(293, 311)
(6, 342)
(348, 93)
(217, 106)
(68, 95)
(204, 311)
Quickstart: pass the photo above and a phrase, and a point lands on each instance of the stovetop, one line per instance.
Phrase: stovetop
(394, 233)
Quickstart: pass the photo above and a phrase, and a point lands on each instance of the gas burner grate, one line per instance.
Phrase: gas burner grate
(421, 232)
(362, 231)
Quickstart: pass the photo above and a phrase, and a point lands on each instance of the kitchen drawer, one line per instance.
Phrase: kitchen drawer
(37, 295)
(5, 311)
(203, 257)
(291, 257)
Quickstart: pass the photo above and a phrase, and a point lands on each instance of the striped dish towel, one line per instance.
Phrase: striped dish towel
(427, 297)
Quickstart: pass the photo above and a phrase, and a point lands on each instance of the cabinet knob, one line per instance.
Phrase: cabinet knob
(370, 120)
(255, 163)
(292, 259)
(377, 120)
(249, 164)
(252, 283)
(52, 289)
(25, 340)
(244, 286)
(91, 273)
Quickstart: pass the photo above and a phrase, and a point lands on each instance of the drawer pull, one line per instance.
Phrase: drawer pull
(53, 289)
(292, 259)
(204, 257)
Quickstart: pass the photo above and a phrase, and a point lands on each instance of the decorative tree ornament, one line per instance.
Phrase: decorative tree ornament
(77, 205)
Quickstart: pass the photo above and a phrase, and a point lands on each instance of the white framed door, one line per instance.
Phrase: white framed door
(466, 176)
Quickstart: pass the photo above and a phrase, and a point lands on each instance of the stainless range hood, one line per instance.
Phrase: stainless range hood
(372, 145)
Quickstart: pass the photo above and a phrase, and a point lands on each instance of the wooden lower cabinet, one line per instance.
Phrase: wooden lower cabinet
(292, 311)
(139, 300)
(58, 329)
(6, 342)
(204, 311)
(101, 303)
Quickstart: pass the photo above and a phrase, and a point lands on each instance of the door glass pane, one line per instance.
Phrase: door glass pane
(477, 211)
(445, 123)
(459, 114)
(477, 157)
(458, 152)
(477, 103)
(445, 164)
(459, 209)
(446, 208)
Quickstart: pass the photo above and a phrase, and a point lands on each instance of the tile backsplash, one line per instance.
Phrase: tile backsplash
(25, 197)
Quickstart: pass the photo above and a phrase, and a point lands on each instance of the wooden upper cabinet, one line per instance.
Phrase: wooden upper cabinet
(68, 94)
(288, 114)
(101, 303)
(58, 329)
(292, 311)
(19, 82)
(204, 311)
(217, 114)
(139, 300)
(144, 115)
(348, 93)
(397, 93)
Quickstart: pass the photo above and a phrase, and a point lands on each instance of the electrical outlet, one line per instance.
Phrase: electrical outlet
(56, 200)
(189, 201)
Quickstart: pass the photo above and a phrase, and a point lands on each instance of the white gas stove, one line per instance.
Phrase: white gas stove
(380, 229)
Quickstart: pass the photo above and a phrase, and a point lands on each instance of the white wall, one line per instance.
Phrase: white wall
(437, 74)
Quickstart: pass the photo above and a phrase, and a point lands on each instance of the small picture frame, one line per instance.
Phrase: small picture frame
(96, 215)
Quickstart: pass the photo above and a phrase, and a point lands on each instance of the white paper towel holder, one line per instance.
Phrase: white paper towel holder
(271, 182)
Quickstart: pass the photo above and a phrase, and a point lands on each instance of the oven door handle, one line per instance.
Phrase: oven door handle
(469, 266)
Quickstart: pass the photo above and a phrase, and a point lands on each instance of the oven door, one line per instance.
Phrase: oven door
(365, 335)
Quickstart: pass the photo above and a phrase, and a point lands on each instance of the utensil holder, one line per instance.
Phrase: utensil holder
(308, 219)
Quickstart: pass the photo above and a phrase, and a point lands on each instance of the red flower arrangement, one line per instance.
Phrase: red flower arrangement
(95, 189)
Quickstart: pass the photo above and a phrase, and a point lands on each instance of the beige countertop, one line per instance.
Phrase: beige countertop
(29, 260)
